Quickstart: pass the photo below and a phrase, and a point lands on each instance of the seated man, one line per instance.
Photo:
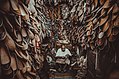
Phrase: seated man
(62, 52)
(62, 60)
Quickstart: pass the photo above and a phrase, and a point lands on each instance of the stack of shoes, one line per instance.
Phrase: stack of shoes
(99, 32)
(24, 24)
(21, 33)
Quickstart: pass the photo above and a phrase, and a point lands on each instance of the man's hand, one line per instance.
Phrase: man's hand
(67, 56)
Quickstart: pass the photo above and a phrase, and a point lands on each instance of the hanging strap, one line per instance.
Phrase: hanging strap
(59, 12)
(97, 60)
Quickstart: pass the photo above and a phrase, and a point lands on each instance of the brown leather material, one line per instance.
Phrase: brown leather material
(116, 22)
(93, 33)
(28, 67)
(14, 6)
(101, 47)
(28, 77)
(24, 12)
(91, 46)
(23, 32)
(19, 44)
(114, 17)
(110, 10)
(10, 28)
(115, 10)
(13, 63)
(32, 8)
(1, 22)
(92, 7)
(2, 33)
(106, 4)
(95, 21)
(109, 31)
(18, 51)
(37, 38)
(8, 25)
(9, 42)
(59, 16)
(33, 42)
(103, 13)
(5, 6)
(115, 30)
(30, 34)
(24, 69)
(24, 45)
(8, 72)
(5, 57)
(19, 75)
(102, 2)
(89, 18)
(19, 64)
(103, 20)
(112, 38)
(19, 37)
(89, 25)
(19, 40)
(106, 26)
(80, 13)
(24, 55)
(15, 21)
(32, 74)
(95, 3)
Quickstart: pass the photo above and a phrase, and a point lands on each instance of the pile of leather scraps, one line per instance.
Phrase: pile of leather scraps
(22, 28)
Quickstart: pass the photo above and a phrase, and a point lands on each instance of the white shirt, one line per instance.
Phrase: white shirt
(61, 53)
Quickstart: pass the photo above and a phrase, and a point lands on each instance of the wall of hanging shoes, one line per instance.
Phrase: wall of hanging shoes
(93, 25)
(22, 28)
(97, 32)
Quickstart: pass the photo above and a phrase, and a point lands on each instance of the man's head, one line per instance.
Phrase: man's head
(63, 48)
